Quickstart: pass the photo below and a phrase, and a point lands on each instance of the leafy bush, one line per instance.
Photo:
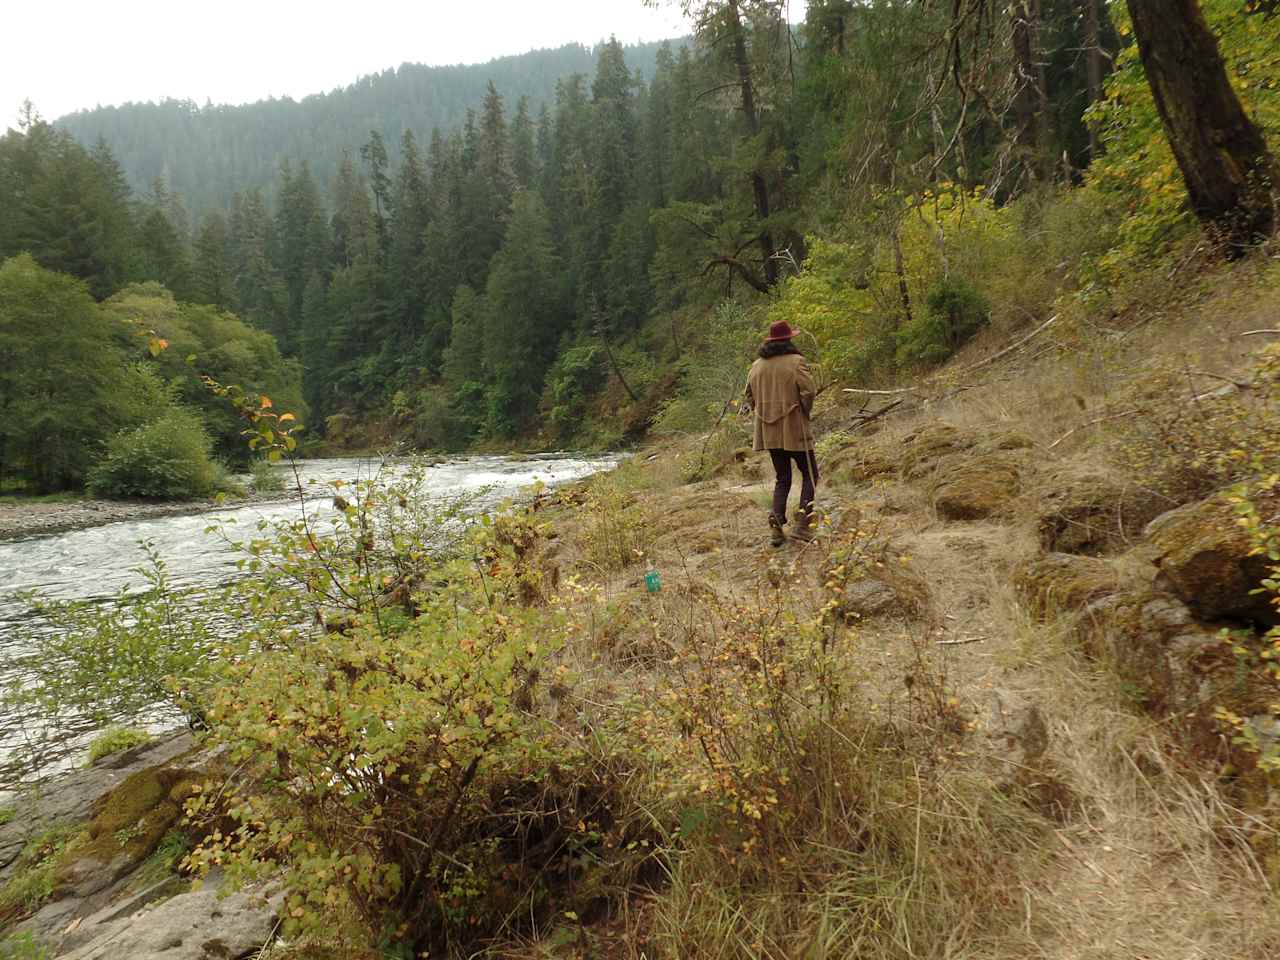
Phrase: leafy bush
(386, 704)
(617, 529)
(1260, 655)
(118, 660)
(954, 312)
(116, 740)
(206, 341)
(850, 296)
(166, 459)
(1185, 437)
(799, 816)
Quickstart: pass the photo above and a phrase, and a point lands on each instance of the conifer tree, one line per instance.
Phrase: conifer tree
(409, 219)
(374, 155)
(521, 334)
(211, 270)
(302, 244)
(260, 295)
(523, 150)
(162, 249)
(352, 221)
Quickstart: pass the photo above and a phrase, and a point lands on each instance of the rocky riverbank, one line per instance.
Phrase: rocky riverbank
(89, 850)
(37, 519)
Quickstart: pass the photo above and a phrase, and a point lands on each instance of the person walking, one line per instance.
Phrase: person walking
(780, 393)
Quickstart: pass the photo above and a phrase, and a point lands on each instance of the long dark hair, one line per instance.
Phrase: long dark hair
(777, 348)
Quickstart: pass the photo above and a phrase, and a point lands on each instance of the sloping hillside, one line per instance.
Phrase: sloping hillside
(1028, 752)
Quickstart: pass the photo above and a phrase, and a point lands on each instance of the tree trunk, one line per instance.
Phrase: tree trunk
(1223, 156)
(904, 292)
(1045, 140)
(752, 118)
(1093, 67)
(1028, 97)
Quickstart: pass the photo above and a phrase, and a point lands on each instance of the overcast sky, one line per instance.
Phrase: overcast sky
(67, 55)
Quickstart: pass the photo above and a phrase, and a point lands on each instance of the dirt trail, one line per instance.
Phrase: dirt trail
(1131, 865)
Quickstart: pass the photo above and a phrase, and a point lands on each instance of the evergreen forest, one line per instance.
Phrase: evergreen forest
(557, 261)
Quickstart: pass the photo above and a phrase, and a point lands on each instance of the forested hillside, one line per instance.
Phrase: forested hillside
(895, 176)
(206, 153)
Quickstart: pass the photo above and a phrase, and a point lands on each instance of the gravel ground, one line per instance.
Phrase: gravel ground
(21, 520)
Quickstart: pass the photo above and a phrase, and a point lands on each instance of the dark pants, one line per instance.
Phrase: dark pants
(808, 464)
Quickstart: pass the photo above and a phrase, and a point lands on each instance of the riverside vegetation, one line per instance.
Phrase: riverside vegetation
(1019, 700)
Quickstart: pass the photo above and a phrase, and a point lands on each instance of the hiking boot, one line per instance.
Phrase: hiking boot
(776, 537)
(803, 529)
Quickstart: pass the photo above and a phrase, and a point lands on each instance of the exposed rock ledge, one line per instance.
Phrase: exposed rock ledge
(101, 910)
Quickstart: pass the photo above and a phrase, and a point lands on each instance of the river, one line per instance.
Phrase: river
(97, 563)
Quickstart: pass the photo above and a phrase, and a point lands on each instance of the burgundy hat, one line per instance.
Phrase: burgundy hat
(780, 331)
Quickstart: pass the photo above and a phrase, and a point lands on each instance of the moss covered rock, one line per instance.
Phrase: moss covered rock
(1206, 560)
(925, 449)
(127, 825)
(1179, 667)
(1065, 583)
(976, 487)
(860, 464)
(888, 594)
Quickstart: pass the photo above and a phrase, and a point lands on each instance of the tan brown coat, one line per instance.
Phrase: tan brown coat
(780, 390)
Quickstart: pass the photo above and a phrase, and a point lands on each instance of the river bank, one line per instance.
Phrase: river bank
(44, 518)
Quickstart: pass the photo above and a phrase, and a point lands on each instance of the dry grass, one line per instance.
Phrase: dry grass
(918, 830)
(1157, 866)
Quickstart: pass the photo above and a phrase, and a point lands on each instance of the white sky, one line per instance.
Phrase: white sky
(67, 55)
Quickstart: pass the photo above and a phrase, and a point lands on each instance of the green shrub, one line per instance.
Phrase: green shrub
(119, 659)
(713, 372)
(1183, 437)
(167, 459)
(393, 705)
(618, 528)
(954, 312)
(576, 375)
(116, 740)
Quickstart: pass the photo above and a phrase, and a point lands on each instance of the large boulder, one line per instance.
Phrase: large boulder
(884, 595)
(859, 464)
(976, 487)
(1208, 561)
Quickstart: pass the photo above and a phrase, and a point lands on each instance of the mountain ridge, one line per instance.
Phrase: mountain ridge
(207, 153)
